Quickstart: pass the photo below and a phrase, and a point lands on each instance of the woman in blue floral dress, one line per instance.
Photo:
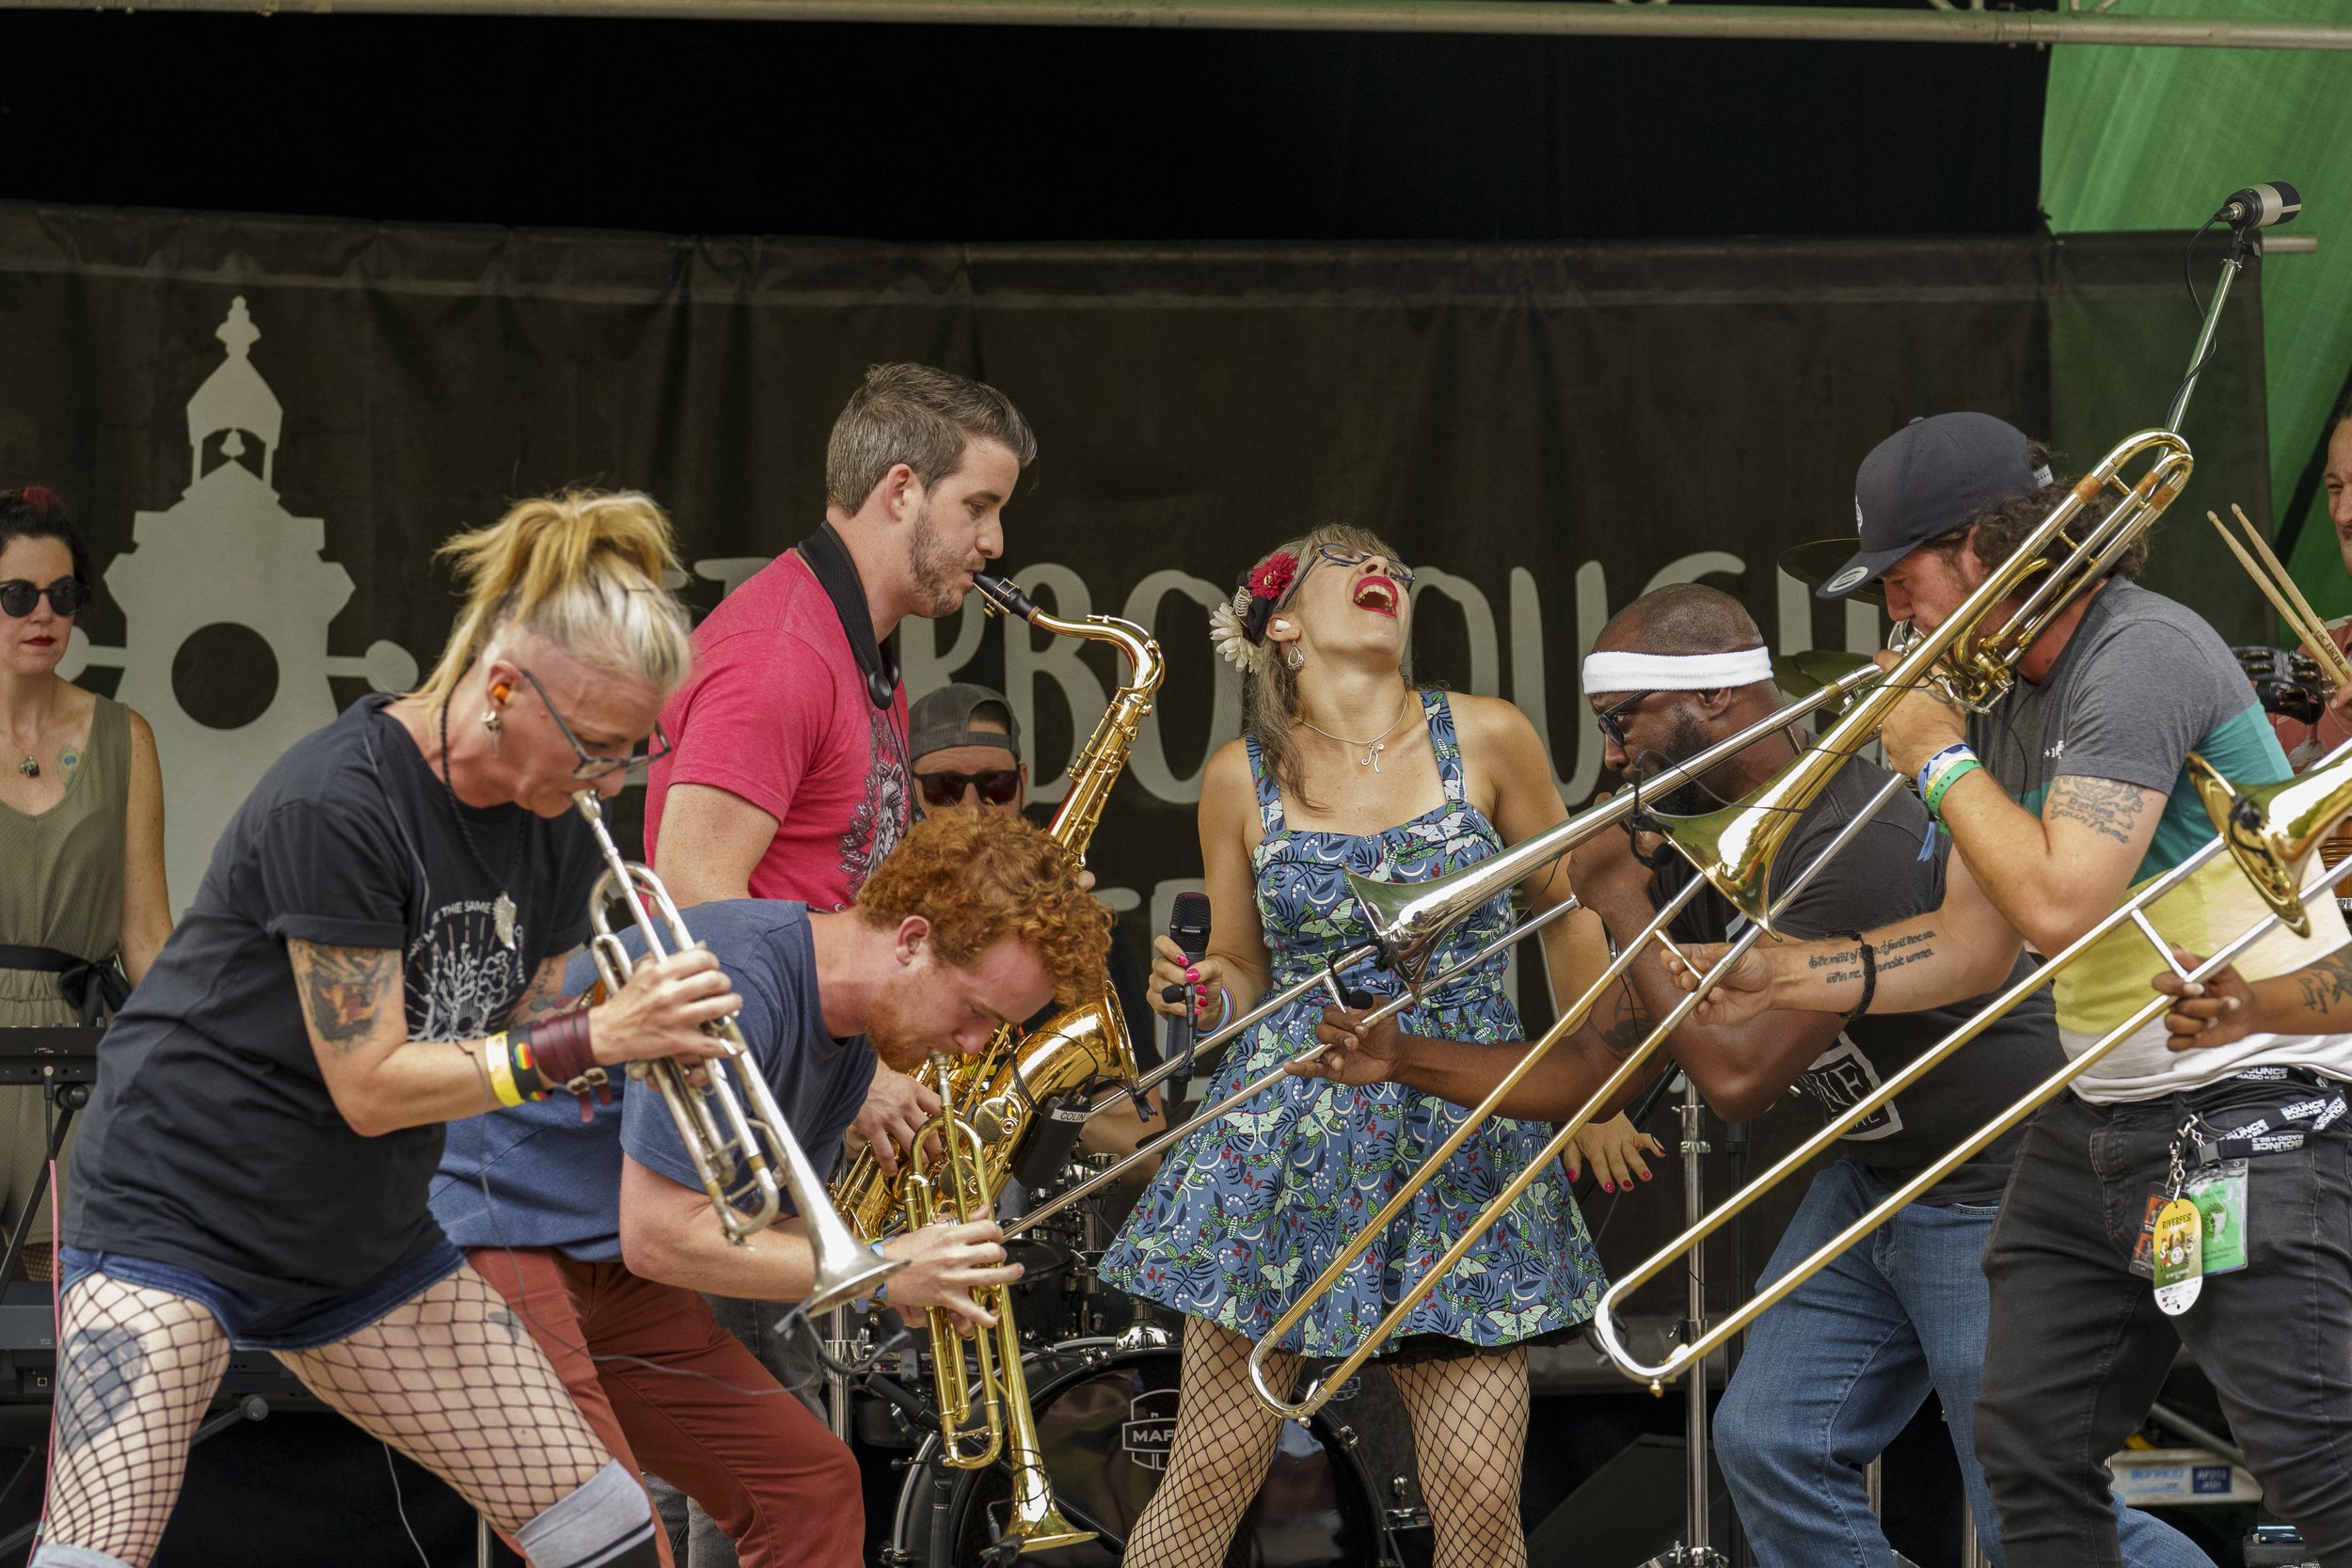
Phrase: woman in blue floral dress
(1347, 766)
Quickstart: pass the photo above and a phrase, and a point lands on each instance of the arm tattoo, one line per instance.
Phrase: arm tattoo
(545, 997)
(344, 990)
(2326, 983)
(2107, 806)
(99, 1380)
(1628, 1024)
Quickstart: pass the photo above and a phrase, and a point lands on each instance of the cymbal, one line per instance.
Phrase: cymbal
(1814, 562)
(1801, 674)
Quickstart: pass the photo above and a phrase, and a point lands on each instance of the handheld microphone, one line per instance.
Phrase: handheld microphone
(1188, 929)
(2261, 206)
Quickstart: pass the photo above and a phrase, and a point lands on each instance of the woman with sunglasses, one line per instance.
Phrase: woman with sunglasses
(83, 909)
(1346, 765)
(376, 948)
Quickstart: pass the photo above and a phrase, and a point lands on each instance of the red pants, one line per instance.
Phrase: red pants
(767, 1471)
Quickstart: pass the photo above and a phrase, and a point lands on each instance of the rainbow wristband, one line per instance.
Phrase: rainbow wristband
(1944, 782)
(502, 1069)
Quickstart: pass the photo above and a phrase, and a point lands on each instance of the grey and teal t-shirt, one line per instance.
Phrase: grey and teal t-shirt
(2141, 683)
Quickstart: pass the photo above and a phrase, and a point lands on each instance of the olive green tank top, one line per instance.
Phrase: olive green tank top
(64, 882)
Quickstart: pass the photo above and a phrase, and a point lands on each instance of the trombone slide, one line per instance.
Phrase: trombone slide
(1627, 1072)
(2131, 912)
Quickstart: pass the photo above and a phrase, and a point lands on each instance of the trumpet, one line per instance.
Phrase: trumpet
(1736, 849)
(747, 1162)
(2272, 830)
(1410, 921)
(1036, 1523)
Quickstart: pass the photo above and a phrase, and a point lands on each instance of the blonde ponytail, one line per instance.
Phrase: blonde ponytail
(583, 570)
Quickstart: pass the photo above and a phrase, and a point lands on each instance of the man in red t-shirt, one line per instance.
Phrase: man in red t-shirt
(789, 778)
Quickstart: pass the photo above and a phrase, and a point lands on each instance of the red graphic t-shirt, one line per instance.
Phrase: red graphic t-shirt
(776, 713)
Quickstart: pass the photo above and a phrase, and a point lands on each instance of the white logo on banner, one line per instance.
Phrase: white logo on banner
(228, 573)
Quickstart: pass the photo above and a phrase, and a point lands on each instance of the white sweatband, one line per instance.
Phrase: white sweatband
(1628, 672)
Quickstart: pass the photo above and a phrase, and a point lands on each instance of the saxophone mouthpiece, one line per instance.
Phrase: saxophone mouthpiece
(1000, 595)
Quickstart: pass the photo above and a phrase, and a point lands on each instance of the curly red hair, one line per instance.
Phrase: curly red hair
(981, 879)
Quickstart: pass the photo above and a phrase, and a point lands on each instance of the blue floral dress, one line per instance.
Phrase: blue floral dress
(1247, 1211)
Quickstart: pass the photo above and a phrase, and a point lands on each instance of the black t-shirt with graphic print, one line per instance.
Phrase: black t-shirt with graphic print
(1878, 879)
(212, 1141)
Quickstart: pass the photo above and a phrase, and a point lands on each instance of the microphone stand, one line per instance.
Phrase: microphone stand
(1693, 1550)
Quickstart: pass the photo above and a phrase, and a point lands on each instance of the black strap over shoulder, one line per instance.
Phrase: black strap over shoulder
(829, 559)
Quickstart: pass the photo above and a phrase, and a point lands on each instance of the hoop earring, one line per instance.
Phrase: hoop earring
(1294, 656)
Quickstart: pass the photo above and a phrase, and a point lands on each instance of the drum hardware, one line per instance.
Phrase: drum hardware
(1104, 1409)
(1695, 1550)
(1403, 1513)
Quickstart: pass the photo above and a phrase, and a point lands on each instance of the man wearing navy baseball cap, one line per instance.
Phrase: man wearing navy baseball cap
(1928, 481)
(2067, 792)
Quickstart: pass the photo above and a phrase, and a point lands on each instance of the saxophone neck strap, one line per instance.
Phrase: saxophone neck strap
(829, 561)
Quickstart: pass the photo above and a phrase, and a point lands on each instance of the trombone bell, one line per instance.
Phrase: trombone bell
(2273, 830)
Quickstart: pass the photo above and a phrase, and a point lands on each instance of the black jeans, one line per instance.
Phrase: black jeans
(2078, 1348)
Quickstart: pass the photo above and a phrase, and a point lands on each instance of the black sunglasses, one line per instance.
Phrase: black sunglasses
(997, 786)
(1607, 717)
(590, 765)
(66, 597)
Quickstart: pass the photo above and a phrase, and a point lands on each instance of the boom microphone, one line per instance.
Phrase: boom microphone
(1188, 929)
(2261, 206)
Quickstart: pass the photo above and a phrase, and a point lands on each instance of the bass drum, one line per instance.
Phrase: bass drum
(1105, 1412)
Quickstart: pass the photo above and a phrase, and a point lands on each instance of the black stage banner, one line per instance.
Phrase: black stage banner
(265, 425)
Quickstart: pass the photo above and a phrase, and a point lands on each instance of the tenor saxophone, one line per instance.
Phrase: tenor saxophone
(992, 1106)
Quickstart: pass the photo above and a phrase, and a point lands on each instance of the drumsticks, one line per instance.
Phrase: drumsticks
(2279, 588)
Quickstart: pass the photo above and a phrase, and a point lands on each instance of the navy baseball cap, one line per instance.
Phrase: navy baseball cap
(1926, 480)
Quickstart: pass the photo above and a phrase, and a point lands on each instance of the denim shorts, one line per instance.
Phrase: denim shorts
(274, 1323)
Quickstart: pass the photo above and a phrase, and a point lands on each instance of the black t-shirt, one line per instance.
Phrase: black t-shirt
(212, 1141)
(1877, 880)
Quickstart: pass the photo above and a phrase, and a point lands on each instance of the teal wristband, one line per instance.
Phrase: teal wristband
(1944, 782)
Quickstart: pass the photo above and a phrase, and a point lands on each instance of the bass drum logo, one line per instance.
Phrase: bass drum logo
(1150, 1430)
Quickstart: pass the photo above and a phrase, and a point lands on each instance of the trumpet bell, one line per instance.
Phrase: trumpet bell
(2272, 830)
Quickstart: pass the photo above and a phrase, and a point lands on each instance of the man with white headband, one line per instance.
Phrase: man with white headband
(2065, 795)
(1836, 1369)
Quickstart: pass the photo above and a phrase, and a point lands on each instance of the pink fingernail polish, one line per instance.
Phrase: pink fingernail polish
(1607, 1188)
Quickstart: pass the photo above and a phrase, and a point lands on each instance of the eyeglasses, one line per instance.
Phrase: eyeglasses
(590, 765)
(997, 786)
(1339, 555)
(1607, 717)
(66, 596)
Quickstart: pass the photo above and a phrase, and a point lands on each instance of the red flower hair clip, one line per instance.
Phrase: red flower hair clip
(1238, 628)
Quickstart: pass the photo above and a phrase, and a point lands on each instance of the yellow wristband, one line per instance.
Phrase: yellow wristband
(494, 1056)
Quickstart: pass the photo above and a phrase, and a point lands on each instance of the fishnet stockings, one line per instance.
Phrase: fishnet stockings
(1224, 1441)
(136, 1368)
(451, 1378)
(1469, 1435)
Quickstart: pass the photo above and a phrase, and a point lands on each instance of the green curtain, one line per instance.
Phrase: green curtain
(2153, 138)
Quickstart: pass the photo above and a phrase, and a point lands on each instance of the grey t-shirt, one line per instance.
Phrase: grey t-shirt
(1876, 879)
(2141, 683)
